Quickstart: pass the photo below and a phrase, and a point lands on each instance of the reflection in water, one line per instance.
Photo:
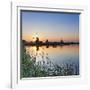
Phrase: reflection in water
(50, 57)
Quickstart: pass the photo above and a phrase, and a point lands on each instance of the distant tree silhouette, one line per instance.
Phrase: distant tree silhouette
(37, 40)
(23, 41)
(47, 41)
(61, 41)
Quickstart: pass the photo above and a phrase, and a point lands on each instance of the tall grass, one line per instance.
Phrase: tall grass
(29, 67)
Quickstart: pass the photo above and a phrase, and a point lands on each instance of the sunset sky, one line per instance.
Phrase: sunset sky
(50, 25)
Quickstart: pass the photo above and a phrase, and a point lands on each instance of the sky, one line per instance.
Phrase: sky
(53, 26)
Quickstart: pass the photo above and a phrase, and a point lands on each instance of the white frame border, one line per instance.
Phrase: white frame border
(15, 42)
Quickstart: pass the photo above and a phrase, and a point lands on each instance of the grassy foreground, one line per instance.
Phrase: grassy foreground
(29, 68)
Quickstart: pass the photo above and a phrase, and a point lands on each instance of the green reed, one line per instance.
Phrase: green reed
(29, 68)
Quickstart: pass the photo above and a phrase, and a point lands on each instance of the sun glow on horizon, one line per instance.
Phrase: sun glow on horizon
(28, 38)
(34, 36)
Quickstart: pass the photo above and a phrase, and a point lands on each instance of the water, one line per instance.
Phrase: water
(60, 55)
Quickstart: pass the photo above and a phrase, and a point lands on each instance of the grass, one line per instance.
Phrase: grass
(29, 68)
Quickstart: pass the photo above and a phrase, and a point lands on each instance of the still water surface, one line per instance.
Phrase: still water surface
(59, 55)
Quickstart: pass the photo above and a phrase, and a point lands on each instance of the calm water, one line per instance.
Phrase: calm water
(60, 55)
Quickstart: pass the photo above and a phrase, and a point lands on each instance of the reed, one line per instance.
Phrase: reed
(29, 67)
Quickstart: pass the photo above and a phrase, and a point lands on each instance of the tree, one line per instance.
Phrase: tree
(37, 40)
(47, 41)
